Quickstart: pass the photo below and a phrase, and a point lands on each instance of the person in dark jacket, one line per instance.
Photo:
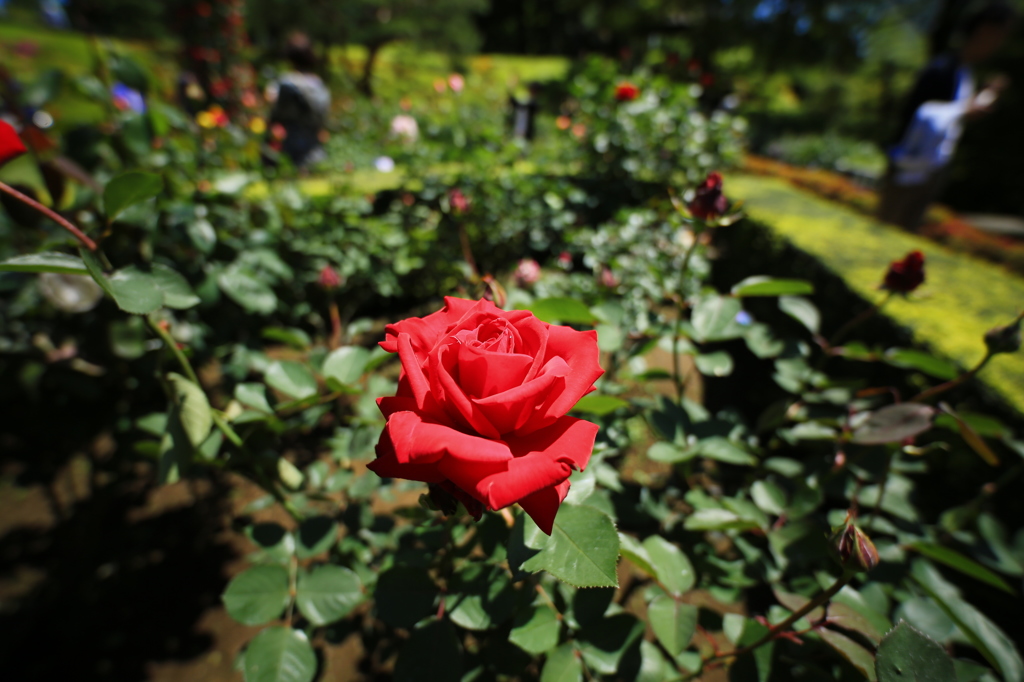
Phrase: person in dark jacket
(943, 97)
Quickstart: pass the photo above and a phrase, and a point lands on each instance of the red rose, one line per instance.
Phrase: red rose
(905, 275)
(626, 92)
(11, 145)
(709, 202)
(481, 407)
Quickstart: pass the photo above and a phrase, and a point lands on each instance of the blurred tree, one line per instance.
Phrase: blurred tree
(446, 25)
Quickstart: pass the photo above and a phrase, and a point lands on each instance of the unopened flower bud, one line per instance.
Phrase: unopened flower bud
(1004, 339)
(329, 278)
(855, 548)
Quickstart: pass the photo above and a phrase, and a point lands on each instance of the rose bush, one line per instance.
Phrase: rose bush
(481, 407)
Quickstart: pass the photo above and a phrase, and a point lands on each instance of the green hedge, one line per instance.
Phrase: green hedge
(962, 298)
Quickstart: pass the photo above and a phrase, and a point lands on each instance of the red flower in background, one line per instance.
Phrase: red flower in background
(458, 201)
(481, 407)
(329, 278)
(709, 202)
(11, 145)
(905, 275)
(707, 79)
(626, 92)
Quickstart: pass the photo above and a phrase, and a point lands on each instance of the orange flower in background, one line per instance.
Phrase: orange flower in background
(579, 130)
(563, 122)
(258, 126)
(626, 92)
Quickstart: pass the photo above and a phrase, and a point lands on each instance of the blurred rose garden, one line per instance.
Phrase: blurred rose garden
(463, 341)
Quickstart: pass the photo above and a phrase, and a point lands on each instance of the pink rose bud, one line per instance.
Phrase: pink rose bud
(482, 407)
(329, 278)
(565, 260)
(527, 273)
(855, 548)
(458, 201)
(456, 82)
(608, 279)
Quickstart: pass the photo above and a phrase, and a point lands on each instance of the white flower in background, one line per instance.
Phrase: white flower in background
(405, 127)
(385, 164)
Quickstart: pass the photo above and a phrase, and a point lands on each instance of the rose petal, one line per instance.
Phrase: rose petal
(542, 506)
(451, 396)
(580, 351)
(542, 459)
(425, 332)
(483, 373)
(510, 410)
(418, 442)
(11, 145)
(387, 465)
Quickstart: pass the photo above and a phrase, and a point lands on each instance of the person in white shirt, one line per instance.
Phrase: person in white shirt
(943, 97)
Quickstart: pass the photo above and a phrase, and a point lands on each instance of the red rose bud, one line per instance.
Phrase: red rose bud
(481, 407)
(458, 201)
(565, 260)
(707, 79)
(905, 275)
(708, 201)
(329, 278)
(626, 92)
(855, 549)
(11, 145)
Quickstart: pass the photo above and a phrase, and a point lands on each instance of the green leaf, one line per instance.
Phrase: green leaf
(92, 264)
(673, 623)
(984, 635)
(175, 289)
(859, 657)
(582, 549)
(958, 561)
(431, 652)
(253, 395)
(404, 595)
(635, 552)
(610, 337)
(346, 364)
(257, 595)
(316, 535)
(717, 519)
(723, 450)
(907, 358)
(480, 597)
(327, 594)
(563, 665)
(291, 378)
(564, 310)
(193, 409)
(243, 287)
(604, 643)
(894, 424)
(275, 543)
(801, 310)
(48, 261)
(768, 497)
(717, 364)
(767, 286)
(599, 405)
(714, 318)
(673, 568)
(536, 629)
(906, 655)
(135, 291)
(127, 189)
(279, 654)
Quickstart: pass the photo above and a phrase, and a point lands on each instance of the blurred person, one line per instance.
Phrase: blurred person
(299, 104)
(524, 112)
(932, 119)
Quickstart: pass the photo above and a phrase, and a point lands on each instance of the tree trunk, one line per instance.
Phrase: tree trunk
(366, 81)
